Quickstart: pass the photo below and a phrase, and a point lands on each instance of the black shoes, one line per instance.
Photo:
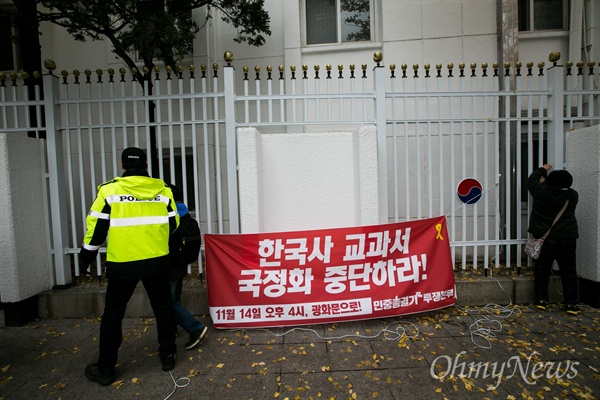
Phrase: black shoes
(541, 305)
(103, 377)
(195, 338)
(168, 362)
(572, 309)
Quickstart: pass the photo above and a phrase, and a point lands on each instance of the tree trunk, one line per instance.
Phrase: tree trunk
(31, 55)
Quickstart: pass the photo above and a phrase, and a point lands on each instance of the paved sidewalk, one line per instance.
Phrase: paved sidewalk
(375, 359)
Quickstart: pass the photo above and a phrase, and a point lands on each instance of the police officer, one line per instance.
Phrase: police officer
(140, 214)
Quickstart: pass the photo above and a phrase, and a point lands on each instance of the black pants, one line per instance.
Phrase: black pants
(118, 293)
(564, 252)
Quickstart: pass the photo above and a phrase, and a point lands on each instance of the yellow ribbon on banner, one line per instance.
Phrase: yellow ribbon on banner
(439, 232)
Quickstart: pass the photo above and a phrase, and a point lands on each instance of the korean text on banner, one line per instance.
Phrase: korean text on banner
(332, 275)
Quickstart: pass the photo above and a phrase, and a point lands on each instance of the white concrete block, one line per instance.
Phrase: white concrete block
(583, 161)
(305, 181)
(25, 267)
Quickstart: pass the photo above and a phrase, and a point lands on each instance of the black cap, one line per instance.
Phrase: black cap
(561, 178)
(133, 157)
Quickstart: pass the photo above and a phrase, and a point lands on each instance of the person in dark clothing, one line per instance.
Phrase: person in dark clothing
(550, 192)
(140, 214)
(195, 328)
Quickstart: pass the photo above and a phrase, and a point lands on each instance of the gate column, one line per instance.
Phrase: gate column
(56, 182)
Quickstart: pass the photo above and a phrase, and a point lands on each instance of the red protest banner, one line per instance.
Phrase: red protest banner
(330, 275)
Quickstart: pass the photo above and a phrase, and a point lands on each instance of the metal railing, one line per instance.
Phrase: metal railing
(434, 129)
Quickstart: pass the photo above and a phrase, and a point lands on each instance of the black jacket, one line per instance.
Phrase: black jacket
(547, 202)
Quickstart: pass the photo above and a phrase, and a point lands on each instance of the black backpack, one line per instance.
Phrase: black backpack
(190, 239)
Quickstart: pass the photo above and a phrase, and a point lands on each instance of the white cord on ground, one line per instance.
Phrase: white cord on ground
(177, 383)
(390, 334)
(488, 327)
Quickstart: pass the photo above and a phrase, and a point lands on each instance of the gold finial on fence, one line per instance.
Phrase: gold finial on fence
(496, 65)
(192, 67)
(427, 66)
(304, 67)
(24, 75)
(281, 68)
(215, 66)
(2, 76)
(293, 68)
(579, 64)
(13, 75)
(76, 72)
(203, 67)
(473, 66)
(591, 63)
(363, 67)
(257, 68)
(134, 70)
(99, 72)
(122, 70)
(541, 64)
(519, 64)
(50, 65)
(340, 67)
(530, 64)
(415, 67)
(317, 67)
(64, 73)
(168, 68)
(156, 69)
(507, 64)
(87, 72)
(328, 67)
(392, 67)
(245, 69)
(554, 57)
(111, 71)
(378, 57)
(438, 66)
(180, 68)
(450, 65)
(403, 67)
(461, 65)
(269, 68)
(228, 57)
(484, 67)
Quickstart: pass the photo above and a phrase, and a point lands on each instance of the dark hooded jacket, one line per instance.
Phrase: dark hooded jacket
(547, 203)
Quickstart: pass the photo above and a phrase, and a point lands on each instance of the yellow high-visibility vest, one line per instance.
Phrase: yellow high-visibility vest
(135, 212)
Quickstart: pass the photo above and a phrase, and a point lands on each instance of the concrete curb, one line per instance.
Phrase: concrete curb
(87, 300)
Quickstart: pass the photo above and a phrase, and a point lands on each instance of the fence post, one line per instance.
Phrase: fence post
(56, 180)
(381, 126)
(556, 130)
(231, 149)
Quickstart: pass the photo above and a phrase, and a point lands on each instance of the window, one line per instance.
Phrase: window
(8, 48)
(543, 15)
(338, 21)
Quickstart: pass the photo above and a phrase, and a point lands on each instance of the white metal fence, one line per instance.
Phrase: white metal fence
(435, 128)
